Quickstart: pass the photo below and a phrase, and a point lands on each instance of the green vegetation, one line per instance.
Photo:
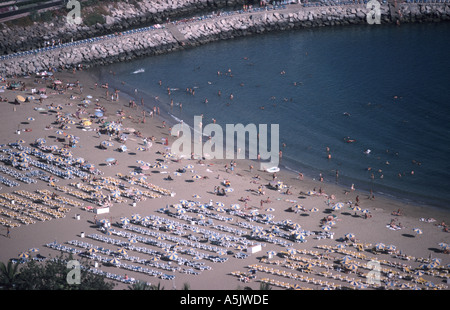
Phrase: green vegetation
(48, 275)
(94, 18)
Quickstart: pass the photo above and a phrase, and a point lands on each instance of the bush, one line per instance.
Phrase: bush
(94, 18)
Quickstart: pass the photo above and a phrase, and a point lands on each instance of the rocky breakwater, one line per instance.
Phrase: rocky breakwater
(108, 50)
(193, 33)
(119, 16)
(296, 17)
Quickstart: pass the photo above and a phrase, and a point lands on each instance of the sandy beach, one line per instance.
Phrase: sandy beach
(307, 230)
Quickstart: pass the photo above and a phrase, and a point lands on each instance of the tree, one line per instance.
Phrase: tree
(186, 287)
(263, 286)
(8, 274)
(139, 286)
(158, 287)
(52, 275)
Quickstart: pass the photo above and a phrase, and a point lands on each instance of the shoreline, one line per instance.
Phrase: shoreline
(311, 173)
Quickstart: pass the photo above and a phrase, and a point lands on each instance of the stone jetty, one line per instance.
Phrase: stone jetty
(194, 31)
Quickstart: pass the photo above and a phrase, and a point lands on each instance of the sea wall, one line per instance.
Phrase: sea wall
(175, 36)
(119, 16)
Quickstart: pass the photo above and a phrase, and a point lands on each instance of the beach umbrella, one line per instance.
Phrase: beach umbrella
(103, 221)
(135, 217)
(110, 159)
(326, 227)
(314, 210)
(391, 247)
(30, 119)
(430, 284)
(292, 251)
(33, 250)
(235, 206)
(122, 251)
(114, 261)
(172, 256)
(132, 240)
(115, 194)
(98, 187)
(419, 273)
(146, 219)
(125, 220)
(221, 252)
(196, 176)
(140, 148)
(351, 266)
(257, 229)
(271, 253)
(46, 197)
(189, 167)
(436, 261)
(346, 259)
(418, 231)
(92, 250)
(254, 212)
(337, 206)
(88, 166)
(220, 204)
(355, 208)
(40, 141)
(24, 255)
(380, 246)
(181, 211)
(443, 245)
(196, 196)
(107, 143)
(350, 236)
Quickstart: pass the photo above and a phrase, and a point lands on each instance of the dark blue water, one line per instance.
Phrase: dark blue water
(386, 87)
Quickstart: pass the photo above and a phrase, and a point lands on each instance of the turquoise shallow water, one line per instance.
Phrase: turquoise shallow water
(386, 87)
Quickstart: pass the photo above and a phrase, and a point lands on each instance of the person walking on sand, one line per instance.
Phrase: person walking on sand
(8, 232)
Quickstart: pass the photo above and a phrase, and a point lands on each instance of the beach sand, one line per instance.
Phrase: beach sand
(419, 248)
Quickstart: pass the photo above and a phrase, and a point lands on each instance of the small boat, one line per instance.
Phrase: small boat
(367, 152)
(141, 70)
(273, 169)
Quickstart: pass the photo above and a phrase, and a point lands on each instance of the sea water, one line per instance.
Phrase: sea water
(384, 87)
